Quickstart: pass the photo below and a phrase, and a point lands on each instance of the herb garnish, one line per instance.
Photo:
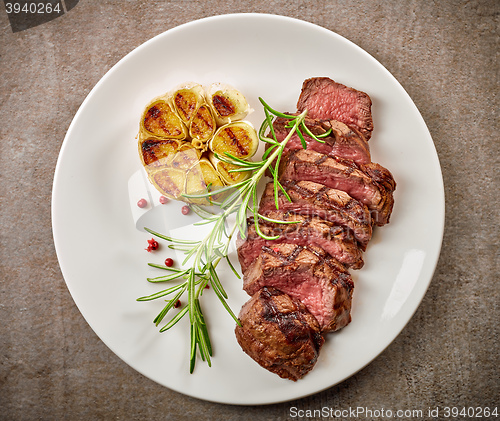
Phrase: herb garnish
(204, 255)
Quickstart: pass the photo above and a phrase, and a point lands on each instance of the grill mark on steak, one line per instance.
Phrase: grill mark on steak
(308, 274)
(371, 184)
(293, 325)
(279, 333)
(325, 99)
(344, 141)
(316, 200)
(335, 240)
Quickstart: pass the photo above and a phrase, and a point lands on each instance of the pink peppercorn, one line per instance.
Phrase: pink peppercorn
(142, 203)
(163, 200)
(185, 210)
(177, 304)
(169, 262)
(152, 245)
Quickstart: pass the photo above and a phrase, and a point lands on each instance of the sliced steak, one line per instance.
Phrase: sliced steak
(325, 99)
(344, 141)
(371, 184)
(279, 333)
(314, 199)
(308, 274)
(337, 241)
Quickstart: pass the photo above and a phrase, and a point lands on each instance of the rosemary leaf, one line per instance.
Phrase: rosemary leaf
(175, 319)
(170, 304)
(276, 221)
(201, 212)
(268, 109)
(264, 236)
(284, 192)
(232, 267)
(304, 127)
(226, 306)
(218, 191)
(232, 159)
(172, 240)
(205, 345)
(302, 140)
(205, 221)
(160, 293)
(270, 150)
(214, 278)
(191, 297)
(179, 247)
(168, 277)
(205, 350)
(163, 267)
(194, 340)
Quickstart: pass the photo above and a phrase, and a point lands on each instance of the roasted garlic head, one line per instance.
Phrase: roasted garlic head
(187, 135)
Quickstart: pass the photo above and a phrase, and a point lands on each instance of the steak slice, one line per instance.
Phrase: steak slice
(344, 141)
(279, 333)
(325, 99)
(371, 184)
(337, 241)
(314, 199)
(308, 274)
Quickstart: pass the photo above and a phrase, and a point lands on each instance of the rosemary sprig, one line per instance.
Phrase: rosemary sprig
(205, 255)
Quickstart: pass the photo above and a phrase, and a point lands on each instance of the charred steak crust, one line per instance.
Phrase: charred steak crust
(371, 184)
(315, 199)
(344, 141)
(335, 240)
(325, 99)
(279, 333)
(308, 274)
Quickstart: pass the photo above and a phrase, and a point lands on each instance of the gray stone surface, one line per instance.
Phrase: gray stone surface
(444, 53)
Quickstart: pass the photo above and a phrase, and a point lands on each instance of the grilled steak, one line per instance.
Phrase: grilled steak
(307, 230)
(308, 274)
(371, 184)
(325, 99)
(330, 196)
(279, 333)
(344, 141)
(314, 199)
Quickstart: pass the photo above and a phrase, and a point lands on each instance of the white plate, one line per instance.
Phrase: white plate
(98, 181)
